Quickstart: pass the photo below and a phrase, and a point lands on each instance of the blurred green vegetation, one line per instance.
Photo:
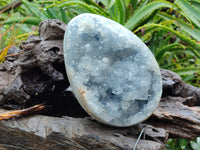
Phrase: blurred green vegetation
(183, 144)
(170, 28)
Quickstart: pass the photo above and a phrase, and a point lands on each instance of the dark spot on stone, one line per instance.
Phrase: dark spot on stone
(97, 36)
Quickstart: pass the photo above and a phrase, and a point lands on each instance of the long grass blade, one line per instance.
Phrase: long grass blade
(78, 5)
(189, 29)
(183, 37)
(186, 71)
(189, 11)
(168, 48)
(25, 20)
(144, 12)
(117, 12)
(110, 4)
(35, 10)
(64, 16)
(4, 52)
(52, 13)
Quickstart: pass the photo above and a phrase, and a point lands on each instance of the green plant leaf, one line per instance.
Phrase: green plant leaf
(172, 144)
(24, 27)
(195, 3)
(52, 13)
(168, 48)
(25, 20)
(183, 143)
(187, 71)
(78, 6)
(183, 25)
(122, 11)
(198, 142)
(134, 4)
(188, 78)
(35, 10)
(91, 2)
(117, 12)
(64, 16)
(194, 45)
(104, 2)
(169, 64)
(142, 3)
(145, 11)
(189, 11)
(194, 145)
(110, 4)
(3, 16)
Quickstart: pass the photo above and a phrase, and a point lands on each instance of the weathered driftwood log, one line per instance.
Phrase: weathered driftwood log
(178, 111)
(174, 115)
(43, 132)
(39, 69)
(37, 75)
(174, 86)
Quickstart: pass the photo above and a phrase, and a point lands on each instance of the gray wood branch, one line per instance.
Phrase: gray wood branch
(43, 132)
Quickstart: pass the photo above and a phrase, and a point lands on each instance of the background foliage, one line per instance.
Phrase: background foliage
(171, 29)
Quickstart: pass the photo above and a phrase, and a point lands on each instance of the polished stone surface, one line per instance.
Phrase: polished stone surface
(112, 73)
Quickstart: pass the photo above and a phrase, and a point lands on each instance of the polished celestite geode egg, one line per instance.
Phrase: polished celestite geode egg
(112, 73)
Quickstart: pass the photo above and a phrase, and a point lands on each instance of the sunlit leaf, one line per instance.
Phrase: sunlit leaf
(189, 11)
(145, 11)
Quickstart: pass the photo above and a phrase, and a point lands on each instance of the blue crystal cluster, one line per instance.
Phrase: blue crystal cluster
(112, 73)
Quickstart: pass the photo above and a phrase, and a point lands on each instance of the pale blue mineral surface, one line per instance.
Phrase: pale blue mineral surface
(112, 73)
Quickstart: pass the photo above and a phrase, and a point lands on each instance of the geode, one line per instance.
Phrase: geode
(112, 73)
